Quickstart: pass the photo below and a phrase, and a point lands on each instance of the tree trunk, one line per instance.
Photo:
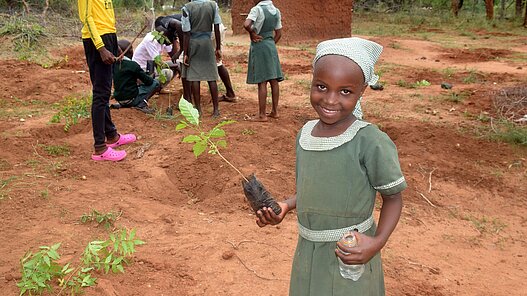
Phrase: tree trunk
(455, 7)
(489, 8)
(525, 19)
(45, 10)
(502, 9)
(519, 7)
(26, 6)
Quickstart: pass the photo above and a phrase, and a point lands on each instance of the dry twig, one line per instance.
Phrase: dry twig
(237, 246)
(430, 181)
(427, 200)
(254, 271)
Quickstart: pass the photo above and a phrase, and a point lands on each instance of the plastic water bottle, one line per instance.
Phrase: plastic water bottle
(351, 272)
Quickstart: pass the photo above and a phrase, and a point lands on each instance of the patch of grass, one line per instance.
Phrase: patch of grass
(448, 72)
(304, 83)
(417, 84)
(485, 224)
(452, 97)
(507, 131)
(56, 150)
(71, 110)
(4, 183)
(26, 33)
(472, 77)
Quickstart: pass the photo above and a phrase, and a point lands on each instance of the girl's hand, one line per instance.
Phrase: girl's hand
(361, 254)
(255, 37)
(267, 216)
(186, 60)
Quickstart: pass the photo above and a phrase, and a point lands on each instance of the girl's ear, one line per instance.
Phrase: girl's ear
(363, 89)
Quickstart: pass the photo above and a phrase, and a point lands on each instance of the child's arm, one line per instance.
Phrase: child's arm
(277, 35)
(248, 26)
(267, 216)
(369, 246)
(217, 38)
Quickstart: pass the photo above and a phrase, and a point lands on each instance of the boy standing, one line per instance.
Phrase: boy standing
(199, 57)
(100, 47)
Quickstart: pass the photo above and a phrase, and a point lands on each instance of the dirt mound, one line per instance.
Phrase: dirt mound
(460, 55)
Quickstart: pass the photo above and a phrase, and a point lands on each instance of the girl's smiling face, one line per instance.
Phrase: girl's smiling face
(337, 85)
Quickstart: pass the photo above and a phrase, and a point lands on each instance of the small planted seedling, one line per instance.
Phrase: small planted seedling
(212, 140)
(42, 270)
(160, 65)
(106, 219)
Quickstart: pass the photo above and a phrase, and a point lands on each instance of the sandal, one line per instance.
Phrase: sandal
(110, 154)
(123, 140)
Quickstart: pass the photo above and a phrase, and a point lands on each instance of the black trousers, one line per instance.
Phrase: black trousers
(101, 79)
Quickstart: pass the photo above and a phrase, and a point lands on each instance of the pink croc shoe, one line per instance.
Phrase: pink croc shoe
(123, 140)
(110, 154)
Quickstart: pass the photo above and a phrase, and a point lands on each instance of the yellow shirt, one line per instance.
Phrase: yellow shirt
(98, 19)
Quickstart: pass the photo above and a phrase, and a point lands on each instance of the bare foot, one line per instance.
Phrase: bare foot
(216, 114)
(259, 119)
(273, 115)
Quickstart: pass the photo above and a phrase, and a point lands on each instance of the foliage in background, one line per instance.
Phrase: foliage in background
(71, 110)
(25, 32)
(41, 269)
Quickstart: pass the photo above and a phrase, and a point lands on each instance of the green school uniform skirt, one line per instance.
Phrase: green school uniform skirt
(202, 61)
(264, 63)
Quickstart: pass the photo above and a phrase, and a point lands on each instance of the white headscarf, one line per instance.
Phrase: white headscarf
(363, 52)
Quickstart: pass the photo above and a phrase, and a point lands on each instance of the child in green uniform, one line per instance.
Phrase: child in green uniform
(126, 73)
(342, 162)
(199, 57)
(265, 29)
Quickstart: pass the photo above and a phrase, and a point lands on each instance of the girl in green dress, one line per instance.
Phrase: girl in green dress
(265, 29)
(342, 162)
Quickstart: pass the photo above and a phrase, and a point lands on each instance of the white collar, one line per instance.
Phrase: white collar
(309, 142)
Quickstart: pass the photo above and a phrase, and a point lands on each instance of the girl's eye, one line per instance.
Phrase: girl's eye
(345, 91)
(321, 87)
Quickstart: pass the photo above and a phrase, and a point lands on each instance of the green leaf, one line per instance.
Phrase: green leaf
(191, 139)
(221, 143)
(199, 148)
(225, 122)
(217, 133)
(46, 259)
(55, 246)
(188, 111)
(138, 242)
(120, 268)
(132, 234)
(181, 125)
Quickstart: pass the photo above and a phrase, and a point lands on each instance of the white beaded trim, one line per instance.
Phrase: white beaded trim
(390, 185)
(309, 142)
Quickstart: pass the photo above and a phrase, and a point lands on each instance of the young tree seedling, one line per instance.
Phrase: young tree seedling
(212, 140)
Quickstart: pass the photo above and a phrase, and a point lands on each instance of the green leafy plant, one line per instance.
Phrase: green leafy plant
(422, 83)
(160, 37)
(160, 65)
(41, 269)
(203, 140)
(71, 110)
(106, 219)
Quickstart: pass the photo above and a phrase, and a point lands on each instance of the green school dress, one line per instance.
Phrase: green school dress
(264, 63)
(201, 52)
(337, 179)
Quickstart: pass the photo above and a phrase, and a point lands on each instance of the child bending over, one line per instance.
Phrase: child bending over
(126, 75)
(265, 29)
(342, 162)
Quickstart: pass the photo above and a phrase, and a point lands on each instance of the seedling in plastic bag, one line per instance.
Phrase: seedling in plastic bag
(213, 140)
